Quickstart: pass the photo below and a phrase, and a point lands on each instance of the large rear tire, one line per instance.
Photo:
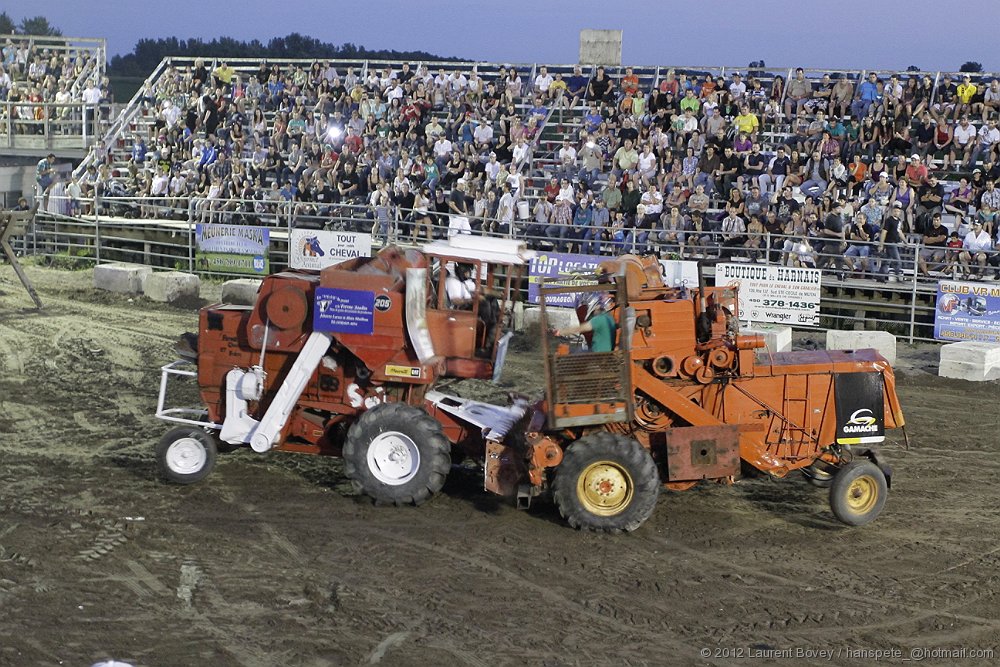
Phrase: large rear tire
(606, 482)
(186, 455)
(858, 492)
(396, 454)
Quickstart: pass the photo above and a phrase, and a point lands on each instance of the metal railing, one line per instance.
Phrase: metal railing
(113, 229)
(51, 125)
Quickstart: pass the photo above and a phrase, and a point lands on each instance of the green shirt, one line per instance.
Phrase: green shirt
(603, 327)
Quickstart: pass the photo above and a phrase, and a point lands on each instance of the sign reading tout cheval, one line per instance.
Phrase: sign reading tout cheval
(780, 294)
(309, 249)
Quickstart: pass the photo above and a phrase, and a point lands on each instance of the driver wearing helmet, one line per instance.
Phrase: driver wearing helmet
(599, 322)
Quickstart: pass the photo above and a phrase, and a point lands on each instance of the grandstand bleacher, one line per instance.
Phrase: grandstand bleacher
(236, 140)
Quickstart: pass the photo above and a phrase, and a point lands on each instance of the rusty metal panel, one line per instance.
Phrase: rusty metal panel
(703, 452)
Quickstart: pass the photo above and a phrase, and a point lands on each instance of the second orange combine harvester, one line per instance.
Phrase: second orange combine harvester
(344, 362)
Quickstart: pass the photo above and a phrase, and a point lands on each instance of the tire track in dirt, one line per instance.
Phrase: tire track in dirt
(916, 610)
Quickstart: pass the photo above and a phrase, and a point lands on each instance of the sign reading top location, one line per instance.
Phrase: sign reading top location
(566, 269)
(781, 294)
(344, 311)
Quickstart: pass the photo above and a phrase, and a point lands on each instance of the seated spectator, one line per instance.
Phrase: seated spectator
(935, 239)
(601, 89)
(977, 247)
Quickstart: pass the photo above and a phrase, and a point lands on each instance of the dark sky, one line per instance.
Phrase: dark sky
(845, 34)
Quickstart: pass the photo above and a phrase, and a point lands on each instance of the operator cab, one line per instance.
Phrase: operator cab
(468, 331)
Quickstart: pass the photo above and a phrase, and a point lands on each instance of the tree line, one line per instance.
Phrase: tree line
(149, 52)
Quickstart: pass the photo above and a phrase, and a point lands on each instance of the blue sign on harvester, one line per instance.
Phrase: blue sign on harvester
(344, 310)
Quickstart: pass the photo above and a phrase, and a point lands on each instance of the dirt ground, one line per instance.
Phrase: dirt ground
(272, 561)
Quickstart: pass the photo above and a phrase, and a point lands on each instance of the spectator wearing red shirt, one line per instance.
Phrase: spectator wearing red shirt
(916, 171)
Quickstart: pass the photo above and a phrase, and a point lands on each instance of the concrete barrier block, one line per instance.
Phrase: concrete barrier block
(883, 341)
(120, 277)
(170, 286)
(241, 292)
(778, 338)
(559, 318)
(969, 360)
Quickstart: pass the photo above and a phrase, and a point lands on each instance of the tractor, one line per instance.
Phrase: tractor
(347, 361)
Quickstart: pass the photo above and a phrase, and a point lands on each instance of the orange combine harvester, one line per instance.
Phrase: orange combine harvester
(344, 362)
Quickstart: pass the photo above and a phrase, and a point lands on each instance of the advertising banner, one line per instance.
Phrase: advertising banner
(309, 249)
(680, 273)
(780, 294)
(572, 269)
(232, 248)
(967, 311)
(580, 269)
(344, 310)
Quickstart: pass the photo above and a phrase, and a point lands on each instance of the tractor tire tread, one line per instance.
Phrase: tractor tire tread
(625, 451)
(435, 453)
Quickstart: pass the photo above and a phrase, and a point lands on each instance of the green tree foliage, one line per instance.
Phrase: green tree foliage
(38, 25)
(149, 52)
(971, 66)
(7, 25)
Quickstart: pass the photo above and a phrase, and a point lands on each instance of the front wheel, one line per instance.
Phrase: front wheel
(858, 492)
(396, 454)
(186, 455)
(606, 482)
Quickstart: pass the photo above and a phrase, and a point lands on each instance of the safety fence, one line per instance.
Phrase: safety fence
(858, 289)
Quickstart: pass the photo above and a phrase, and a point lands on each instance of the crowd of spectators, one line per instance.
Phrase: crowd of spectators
(33, 75)
(685, 165)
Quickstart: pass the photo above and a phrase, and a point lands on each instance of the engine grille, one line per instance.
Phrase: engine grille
(590, 377)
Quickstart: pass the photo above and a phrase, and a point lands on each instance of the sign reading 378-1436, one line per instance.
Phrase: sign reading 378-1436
(781, 294)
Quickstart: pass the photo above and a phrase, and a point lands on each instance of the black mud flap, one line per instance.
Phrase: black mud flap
(860, 407)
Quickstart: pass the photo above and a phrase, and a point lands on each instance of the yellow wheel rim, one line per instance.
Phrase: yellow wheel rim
(862, 495)
(605, 488)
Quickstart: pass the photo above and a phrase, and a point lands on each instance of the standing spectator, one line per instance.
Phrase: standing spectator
(91, 100)
(930, 197)
(890, 240)
(45, 172)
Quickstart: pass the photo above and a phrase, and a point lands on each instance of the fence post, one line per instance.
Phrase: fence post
(288, 239)
(97, 240)
(191, 235)
(913, 289)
